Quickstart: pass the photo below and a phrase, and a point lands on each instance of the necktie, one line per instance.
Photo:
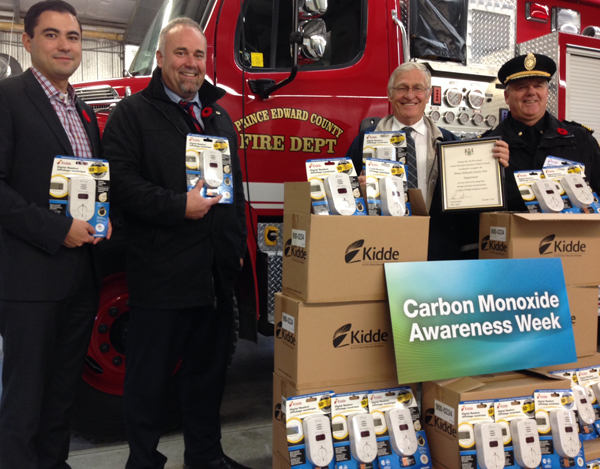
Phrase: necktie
(189, 107)
(411, 159)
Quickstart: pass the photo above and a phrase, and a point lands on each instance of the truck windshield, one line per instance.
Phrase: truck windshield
(145, 59)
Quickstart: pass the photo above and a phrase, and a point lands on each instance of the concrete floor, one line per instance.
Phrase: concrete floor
(246, 418)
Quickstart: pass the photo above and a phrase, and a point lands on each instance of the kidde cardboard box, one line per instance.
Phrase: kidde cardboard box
(591, 449)
(441, 400)
(283, 389)
(583, 303)
(592, 360)
(320, 345)
(279, 462)
(574, 238)
(330, 258)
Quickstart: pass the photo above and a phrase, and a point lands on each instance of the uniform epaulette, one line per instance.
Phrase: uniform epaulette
(589, 129)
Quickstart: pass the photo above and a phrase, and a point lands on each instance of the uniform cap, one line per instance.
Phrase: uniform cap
(527, 66)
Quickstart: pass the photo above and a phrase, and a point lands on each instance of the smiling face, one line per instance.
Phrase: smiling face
(409, 107)
(527, 99)
(183, 62)
(55, 47)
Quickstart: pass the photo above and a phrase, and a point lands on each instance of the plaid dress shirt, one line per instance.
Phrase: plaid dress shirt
(64, 106)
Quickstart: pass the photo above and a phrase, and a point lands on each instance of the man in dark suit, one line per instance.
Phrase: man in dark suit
(48, 288)
(184, 252)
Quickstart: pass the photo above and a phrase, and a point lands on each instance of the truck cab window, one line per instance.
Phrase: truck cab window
(263, 35)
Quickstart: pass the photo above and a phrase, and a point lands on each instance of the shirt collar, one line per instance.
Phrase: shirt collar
(419, 126)
(51, 90)
(176, 98)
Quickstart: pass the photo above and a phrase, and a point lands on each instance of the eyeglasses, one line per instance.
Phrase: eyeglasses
(405, 89)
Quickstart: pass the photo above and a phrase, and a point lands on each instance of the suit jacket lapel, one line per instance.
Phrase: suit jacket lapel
(41, 101)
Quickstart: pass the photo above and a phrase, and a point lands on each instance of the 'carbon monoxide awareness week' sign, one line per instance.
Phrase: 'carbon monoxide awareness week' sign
(464, 318)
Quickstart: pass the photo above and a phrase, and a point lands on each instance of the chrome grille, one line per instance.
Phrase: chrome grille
(98, 97)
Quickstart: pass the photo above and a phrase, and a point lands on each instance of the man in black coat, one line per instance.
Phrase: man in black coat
(184, 252)
(532, 133)
(48, 287)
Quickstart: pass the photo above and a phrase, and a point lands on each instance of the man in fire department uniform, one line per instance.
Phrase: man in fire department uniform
(532, 133)
(409, 91)
(184, 252)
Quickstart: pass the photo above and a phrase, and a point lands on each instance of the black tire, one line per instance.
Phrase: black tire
(97, 415)
(9, 66)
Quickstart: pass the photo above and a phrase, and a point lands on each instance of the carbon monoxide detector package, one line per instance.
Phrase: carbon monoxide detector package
(334, 187)
(208, 159)
(80, 189)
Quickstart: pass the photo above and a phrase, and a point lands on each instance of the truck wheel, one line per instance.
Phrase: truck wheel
(98, 412)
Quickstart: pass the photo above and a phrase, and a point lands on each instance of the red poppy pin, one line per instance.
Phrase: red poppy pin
(562, 131)
(206, 112)
(86, 117)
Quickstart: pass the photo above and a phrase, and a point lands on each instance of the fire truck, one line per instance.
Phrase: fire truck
(302, 77)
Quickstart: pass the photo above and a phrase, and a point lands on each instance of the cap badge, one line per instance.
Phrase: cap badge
(530, 61)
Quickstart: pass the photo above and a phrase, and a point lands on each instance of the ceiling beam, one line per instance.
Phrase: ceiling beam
(128, 27)
(87, 34)
(16, 12)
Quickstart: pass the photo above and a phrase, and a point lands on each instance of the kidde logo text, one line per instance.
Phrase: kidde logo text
(491, 245)
(283, 334)
(358, 252)
(345, 336)
(550, 245)
(434, 421)
(294, 251)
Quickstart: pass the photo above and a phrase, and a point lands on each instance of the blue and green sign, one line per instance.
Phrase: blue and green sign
(463, 318)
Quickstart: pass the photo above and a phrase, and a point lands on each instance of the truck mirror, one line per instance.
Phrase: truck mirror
(314, 39)
(312, 8)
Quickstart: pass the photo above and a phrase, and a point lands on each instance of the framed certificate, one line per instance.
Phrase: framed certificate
(471, 178)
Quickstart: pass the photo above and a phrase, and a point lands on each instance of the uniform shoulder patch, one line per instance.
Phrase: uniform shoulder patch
(589, 129)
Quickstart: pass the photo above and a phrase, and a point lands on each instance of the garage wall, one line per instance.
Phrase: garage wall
(100, 59)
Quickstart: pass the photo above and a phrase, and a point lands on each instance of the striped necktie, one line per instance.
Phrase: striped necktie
(411, 159)
(189, 107)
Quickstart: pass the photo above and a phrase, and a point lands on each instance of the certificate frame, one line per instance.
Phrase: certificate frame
(471, 178)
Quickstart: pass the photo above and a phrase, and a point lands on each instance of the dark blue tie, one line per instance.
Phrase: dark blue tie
(411, 159)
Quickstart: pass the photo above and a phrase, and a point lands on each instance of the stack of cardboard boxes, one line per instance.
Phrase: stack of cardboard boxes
(573, 238)
(502, 235)
(333, 327)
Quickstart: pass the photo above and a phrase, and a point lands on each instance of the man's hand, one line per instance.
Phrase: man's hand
(79, 234)
(197, 206)
(500, 151)
(108, 233)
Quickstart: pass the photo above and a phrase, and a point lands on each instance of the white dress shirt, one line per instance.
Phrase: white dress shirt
(419, 135)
